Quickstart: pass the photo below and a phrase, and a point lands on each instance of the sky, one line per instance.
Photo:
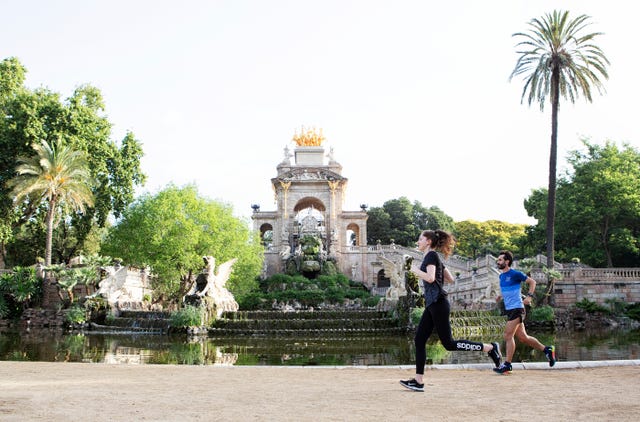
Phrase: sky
(413, 96)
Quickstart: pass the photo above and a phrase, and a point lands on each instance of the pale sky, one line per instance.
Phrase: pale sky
(414, 96)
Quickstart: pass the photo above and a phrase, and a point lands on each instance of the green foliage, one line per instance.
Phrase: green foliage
(632, 310)
(542, 313)
(68, 278)
(189, 316)
(416, 314)
(591, 307)
(490, 237)
(310, 246)
(76, 315)
(329, 268)
(283, 288)
(598, 207)
(58, 176)
(28, 116)
(172, 230)
(18, 290)
(403, 221)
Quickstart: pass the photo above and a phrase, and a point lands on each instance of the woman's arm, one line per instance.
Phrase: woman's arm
(429, 276)
(448, 278)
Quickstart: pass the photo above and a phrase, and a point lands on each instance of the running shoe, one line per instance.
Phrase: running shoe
(504, 369)
(494, 354)
(412, 384)
(550, 352)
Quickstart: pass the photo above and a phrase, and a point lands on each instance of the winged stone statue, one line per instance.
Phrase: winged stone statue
(212, 284)
(395, 272)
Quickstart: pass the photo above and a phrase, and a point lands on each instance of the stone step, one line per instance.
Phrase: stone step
(306, 314)
(306, 324)
(97, 328)
(303, 332)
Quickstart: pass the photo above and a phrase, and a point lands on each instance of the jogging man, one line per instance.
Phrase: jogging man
(510, 289)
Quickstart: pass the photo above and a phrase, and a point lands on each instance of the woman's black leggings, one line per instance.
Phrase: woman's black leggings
(437, 316)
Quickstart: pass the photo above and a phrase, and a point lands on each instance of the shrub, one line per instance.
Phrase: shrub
(329, 268)
(76, 315)
(633, 311)
(189, 316)
(416, 314)
(591, 307)
(542, 313)
(251, 301)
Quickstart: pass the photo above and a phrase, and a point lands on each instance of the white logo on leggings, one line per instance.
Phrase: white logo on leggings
(467, 346)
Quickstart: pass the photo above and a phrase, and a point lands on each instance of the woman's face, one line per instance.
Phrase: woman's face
(423, 242)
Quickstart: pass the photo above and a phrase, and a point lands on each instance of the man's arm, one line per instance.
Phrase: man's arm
(532, 289)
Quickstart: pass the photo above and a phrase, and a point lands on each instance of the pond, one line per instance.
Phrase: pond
(49, 346)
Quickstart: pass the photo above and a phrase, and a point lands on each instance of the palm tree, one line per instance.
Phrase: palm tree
(556, 59)
(58, 175)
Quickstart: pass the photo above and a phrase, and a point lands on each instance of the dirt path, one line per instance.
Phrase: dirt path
(38, 391)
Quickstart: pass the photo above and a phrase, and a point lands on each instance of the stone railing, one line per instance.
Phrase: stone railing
(592, 274)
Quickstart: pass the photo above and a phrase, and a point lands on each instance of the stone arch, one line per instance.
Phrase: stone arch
(353, 234)
(309, 202)
(382, 280)
(266, 233)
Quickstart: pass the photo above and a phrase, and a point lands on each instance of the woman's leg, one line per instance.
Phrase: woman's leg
(423, 332)
(441, 313)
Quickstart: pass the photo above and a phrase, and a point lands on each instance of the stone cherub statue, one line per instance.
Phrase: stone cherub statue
(210, 284)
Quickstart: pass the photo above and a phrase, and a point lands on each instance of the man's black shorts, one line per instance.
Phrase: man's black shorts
(515, 314)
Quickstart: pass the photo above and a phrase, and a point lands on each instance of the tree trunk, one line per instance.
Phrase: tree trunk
(49, 242)
(553, 159)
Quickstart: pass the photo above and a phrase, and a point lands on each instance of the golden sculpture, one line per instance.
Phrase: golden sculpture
(308, 137)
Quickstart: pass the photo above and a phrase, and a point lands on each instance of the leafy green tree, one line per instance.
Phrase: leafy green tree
(599, 206)
(28, 116)
(558, 59)
(403, 221)
(604, 192)
(490, 237)
(57, 175)
(172, 230)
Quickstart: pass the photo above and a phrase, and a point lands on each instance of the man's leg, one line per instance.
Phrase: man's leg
(522, 336)
(549, 351)
(509, 333)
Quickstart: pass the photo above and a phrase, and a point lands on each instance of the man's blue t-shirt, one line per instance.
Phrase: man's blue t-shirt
(510, 287)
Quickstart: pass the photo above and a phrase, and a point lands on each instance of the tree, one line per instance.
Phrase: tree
(558, 59)
(28, 116)
(489, 237)
(403, 221)
(598, 206)
(57, 175)
(171, 231)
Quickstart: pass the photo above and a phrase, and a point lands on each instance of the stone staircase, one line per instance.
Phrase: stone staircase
(475, 323)
(303, 324)
(306, 323)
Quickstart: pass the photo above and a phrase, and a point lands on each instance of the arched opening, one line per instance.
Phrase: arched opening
(353, 235)
(266, 235)
(309, 202)
(310, 221)
(382, 280)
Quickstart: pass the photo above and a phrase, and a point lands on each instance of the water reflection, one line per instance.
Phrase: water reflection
(358, 351)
